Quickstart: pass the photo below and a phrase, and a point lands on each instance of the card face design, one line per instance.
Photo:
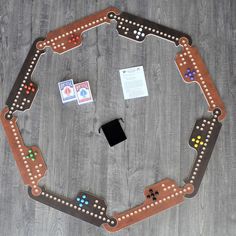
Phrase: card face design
(83, 92)
(67, 91)
(133, 82)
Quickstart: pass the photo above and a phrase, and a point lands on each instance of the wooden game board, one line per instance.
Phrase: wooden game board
(159, 196)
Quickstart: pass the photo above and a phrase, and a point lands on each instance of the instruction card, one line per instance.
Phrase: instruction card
(133, 82)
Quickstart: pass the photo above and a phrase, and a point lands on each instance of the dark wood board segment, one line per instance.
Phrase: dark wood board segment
(85, 206)
(24, 89)
(202, 139)
(137, 28)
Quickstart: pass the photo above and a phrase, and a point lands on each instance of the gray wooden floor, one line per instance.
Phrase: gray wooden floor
(158, 127)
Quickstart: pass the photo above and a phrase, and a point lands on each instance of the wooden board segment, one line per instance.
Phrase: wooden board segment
(193, 70)
(137, 28)
(70, 36)
(159, 197)
(85, 206)
(24, 89)
(29, 160)
(203, 139)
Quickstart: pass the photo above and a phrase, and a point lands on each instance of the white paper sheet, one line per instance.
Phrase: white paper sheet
(133, 82)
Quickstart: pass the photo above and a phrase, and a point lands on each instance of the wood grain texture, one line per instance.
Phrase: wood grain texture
(157, 127)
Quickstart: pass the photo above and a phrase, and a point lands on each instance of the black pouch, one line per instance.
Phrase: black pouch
(113, 132)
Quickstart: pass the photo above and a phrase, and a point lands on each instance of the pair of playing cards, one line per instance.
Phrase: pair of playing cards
(71, 92)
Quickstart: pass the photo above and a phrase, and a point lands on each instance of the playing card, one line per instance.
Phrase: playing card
(83, 92)
(67, 91)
